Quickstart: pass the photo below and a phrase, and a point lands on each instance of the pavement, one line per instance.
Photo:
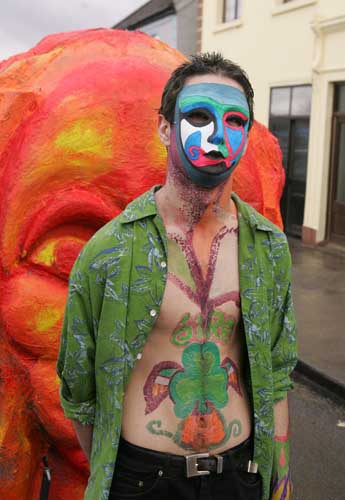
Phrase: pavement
(318, 280)
(317, 444)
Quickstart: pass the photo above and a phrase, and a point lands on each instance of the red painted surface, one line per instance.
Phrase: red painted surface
(77, 142)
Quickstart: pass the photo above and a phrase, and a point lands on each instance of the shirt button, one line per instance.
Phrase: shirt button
(139, 356)
(163, 265)
(153, 313)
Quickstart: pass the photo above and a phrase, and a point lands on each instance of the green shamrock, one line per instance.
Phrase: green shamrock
(202, 383)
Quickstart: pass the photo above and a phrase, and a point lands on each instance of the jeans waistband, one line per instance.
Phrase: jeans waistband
(236, 457)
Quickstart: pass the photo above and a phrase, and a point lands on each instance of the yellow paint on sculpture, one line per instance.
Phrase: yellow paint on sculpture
(46, 254)
(46, 319)
(83, 137)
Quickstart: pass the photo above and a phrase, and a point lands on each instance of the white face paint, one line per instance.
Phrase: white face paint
(212, 122)
(188, 129)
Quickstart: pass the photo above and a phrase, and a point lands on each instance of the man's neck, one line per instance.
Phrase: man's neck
(184, 204)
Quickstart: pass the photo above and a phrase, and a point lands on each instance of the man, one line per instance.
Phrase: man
(179, 333)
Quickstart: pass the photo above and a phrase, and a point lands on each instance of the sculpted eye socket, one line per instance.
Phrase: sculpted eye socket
(56, 252)
(235, 121)
(57, 256)
(198, 117)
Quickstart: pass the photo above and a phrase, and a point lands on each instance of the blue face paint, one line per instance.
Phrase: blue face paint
(212, 122)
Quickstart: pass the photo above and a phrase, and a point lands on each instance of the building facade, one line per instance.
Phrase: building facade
(172, 21)
(293, 52)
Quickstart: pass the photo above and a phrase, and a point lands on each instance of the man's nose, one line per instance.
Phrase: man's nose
(218, 136)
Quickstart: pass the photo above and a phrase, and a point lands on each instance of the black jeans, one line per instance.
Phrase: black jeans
(145, 474)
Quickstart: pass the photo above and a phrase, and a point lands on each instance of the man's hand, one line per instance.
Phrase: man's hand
(84, 434)
(281, 486)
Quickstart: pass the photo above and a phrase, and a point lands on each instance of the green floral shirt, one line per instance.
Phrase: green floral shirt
(115, 291)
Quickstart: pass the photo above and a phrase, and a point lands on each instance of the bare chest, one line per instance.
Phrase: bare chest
(189, 382)
(201, 300)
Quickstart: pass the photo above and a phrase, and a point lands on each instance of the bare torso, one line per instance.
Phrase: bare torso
(186, 394)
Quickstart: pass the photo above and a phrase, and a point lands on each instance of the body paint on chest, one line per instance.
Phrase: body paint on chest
(199, 386)
(198, 287)
(198, 390)
(212, 123)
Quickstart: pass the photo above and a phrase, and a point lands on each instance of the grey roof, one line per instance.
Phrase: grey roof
(150, 11)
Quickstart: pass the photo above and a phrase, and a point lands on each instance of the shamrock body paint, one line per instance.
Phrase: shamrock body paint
(202, 384)
(212, 123)
(198, 390)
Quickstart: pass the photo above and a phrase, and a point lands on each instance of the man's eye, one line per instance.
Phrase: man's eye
(198, 118)
(235, 121)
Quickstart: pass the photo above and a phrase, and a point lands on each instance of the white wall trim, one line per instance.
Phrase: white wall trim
(283, 8)
(322, 27)
(302, 80)
(329, 25)
(335, 69)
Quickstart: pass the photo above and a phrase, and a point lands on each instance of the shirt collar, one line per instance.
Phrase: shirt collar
(141, 207)
(251, 216)
(145, 206)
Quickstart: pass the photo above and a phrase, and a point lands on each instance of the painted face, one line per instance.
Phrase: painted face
(212, 122)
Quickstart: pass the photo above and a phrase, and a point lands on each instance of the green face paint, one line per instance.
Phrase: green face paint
(211, 129)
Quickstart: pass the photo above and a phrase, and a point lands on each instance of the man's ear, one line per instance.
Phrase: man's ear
(164, 130)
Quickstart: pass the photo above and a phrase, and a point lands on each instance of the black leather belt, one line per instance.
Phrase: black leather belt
(192, 465)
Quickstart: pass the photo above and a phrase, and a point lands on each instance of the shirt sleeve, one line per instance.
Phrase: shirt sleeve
(75, 366)
(283, 324)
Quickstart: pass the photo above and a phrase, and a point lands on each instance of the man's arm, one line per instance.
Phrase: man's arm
(281, 487)
(84, 434)
(76, 360)
(284, 359)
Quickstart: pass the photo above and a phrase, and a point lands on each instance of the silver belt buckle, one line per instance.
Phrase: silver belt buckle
(192, 464)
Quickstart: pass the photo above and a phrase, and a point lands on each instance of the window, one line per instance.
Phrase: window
(232, 10)
(340, 98)
(289, 122)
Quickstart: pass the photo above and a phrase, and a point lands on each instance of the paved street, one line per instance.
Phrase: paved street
(318, 277)
(318, 445)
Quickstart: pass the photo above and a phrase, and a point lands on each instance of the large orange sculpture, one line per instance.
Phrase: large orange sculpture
(77, 142)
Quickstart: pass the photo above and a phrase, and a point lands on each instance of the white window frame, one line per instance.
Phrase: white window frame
(238, 8)
(223, 25)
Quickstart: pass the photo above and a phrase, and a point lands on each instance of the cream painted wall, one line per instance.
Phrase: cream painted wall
(301, 42)
(273, 49)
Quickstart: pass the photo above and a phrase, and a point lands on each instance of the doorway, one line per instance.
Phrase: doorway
(337, 178)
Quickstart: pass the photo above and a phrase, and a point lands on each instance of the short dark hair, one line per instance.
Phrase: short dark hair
(203, 64)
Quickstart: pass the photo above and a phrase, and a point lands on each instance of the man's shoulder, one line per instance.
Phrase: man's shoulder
(114, 237)
(270, 241)
(251, 217)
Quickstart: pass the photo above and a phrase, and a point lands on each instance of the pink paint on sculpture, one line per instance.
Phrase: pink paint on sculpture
(78, 141)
